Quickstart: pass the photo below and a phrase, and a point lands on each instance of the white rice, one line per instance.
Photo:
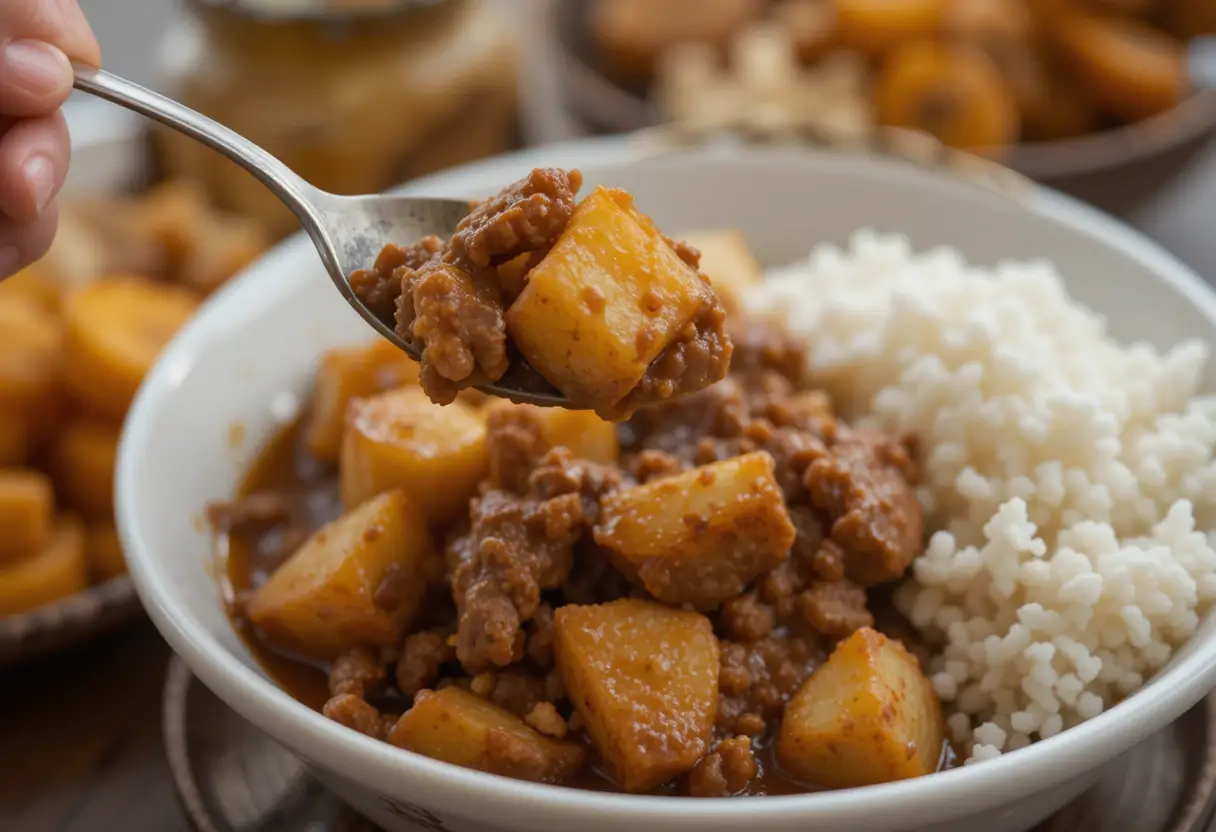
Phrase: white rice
(1069, 481)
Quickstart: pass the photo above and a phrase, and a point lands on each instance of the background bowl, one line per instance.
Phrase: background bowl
(609, 107)
(252, 350)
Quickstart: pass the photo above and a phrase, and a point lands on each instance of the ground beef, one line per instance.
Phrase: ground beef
(525, 216)
(456, 316)
(697, 357)
(757, 679)
(836, 608)
(689, 254)
(379, 287)
(516, 547)
(355, 713)
(545, 718)
(422, 656)
(358, 672)
(725, 771)
(863, 486)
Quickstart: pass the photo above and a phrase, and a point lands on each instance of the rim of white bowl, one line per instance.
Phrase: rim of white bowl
(381, 766)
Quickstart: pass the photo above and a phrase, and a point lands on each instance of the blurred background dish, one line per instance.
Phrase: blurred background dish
(1052, 88)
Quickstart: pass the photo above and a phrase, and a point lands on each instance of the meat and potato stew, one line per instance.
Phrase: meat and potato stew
(587, 296)
(691, 602)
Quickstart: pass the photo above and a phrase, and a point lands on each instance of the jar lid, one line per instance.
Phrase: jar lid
(318, 9)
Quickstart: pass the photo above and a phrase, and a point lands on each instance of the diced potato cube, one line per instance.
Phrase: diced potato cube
(16, 437)
(82, 463)
(104, 552)
(33, 283)
(461, 728)
(346, 374)
(116, 328)
(868, 715)
(55, 572)
(644, 677)
(584, 434)
(33, 352)
(358, 581)
(27, 506)
(604, 303)
(401, 439)
(729, 264)
(702, 536)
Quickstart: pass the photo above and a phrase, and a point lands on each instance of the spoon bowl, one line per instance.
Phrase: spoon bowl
(347, 231)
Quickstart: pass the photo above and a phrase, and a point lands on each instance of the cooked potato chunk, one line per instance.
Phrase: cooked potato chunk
(459, 727)
(16, 438)
(586, 435)
(357, 581)
(954, 93)
(33, 283)
(27, 505)
(644, 677)
(702, 536)
(57, 571)
(401, 439)
(32, 352)
(604, 303)
(1131, 69)
(346, 374)
(104, 552)
(868, 715)
(82, 463)
(115, 330)
(729, 264)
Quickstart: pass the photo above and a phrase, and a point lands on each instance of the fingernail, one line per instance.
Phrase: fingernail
(9, 258)
(38, 67)
(39, 174)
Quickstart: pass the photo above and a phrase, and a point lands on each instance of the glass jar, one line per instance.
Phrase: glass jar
(354, 95)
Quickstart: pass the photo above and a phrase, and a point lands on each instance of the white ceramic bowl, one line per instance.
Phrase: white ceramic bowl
(259, 340)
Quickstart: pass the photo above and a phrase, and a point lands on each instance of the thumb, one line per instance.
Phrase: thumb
(57, 22)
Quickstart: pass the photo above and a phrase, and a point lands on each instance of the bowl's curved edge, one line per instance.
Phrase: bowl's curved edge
(380, 767)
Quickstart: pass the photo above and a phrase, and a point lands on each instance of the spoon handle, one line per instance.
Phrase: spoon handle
(297, 194)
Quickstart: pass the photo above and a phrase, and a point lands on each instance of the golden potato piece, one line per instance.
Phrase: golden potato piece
(55, 572)
(358, 581)
(702, 536)
(1132, 70)
(116, 328)
(728, 262)
(584, 434)
(16, 437)
(644, 678)
(345, 374)
(953, 93)
(604, 303)
(27, 506)
(401, 439)
(82, 464)
(875, 27)
(461, 728)
(868, 715)
(104, 552)
(32, 283)
(32, 352)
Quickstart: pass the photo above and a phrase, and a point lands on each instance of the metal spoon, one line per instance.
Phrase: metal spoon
(348, 231)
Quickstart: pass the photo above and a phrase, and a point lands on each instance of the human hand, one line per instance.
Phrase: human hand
(38, 41)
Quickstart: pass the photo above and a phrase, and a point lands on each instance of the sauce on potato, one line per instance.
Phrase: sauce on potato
(623, 607)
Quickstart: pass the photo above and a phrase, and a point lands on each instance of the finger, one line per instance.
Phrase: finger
(21, 243)
(57, 22)
(34, 156)
(35, 78)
